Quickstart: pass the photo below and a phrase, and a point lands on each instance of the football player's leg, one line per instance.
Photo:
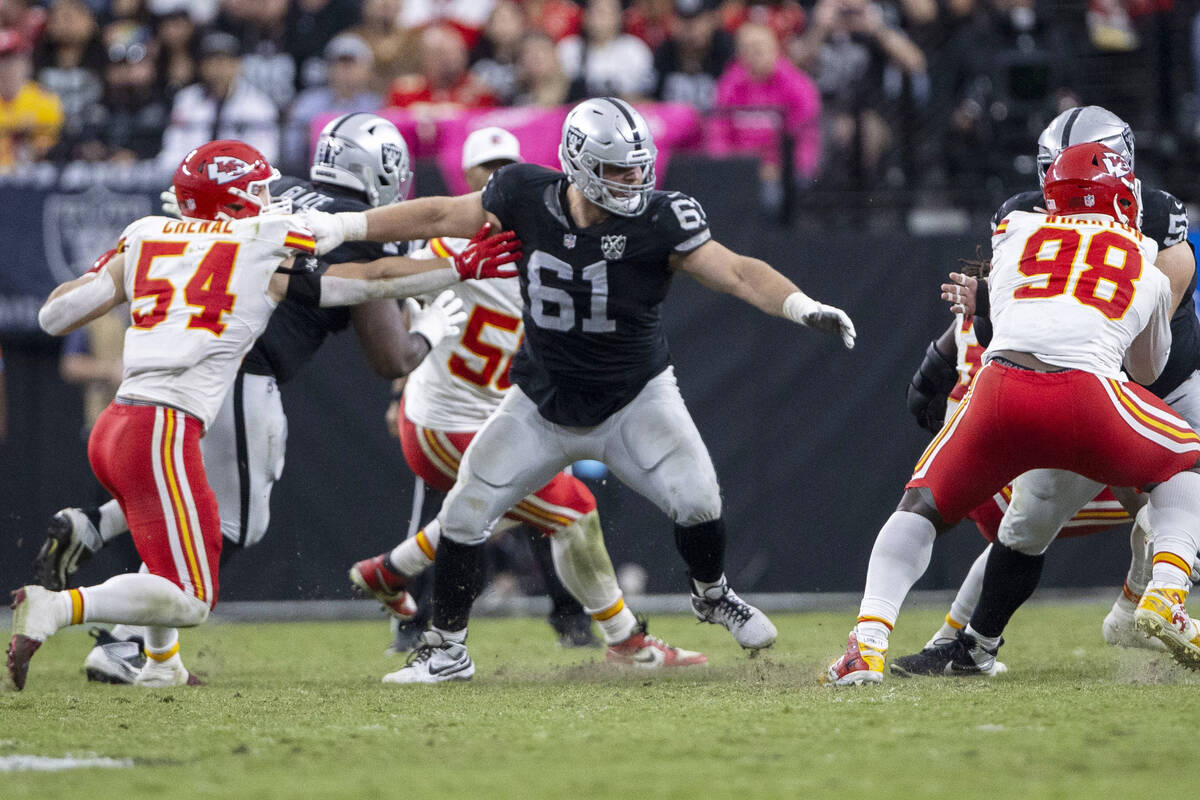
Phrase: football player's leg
(514, 453)
(1119, 628)
(652, 445)
(1043, 500)
(244, 449)
(1162, 611)
(434, 457)
(956, 473)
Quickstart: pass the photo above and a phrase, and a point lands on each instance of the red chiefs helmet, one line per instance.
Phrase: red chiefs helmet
(221, 180)
(1093, 179)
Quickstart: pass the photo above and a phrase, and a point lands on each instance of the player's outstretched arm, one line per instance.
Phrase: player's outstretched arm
(93, 294)
(1148, 352)
(485, 256)
(754, 281)
(424, 218)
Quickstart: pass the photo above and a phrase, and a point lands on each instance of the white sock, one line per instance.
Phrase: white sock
(965, 601)
(112, 521)
(617, 627)
(899, 558)
(459, 636)
(986, 642)
(161, 642)
(702, 587)
(1142, 553)
(1175, 518)
(142, 599)
(410, 556)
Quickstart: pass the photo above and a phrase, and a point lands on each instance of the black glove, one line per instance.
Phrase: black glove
(930, 387)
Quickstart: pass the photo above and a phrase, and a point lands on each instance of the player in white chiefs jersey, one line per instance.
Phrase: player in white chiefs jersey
(201, 290)
(446, 401)
(1076, 298)
(1019, 518)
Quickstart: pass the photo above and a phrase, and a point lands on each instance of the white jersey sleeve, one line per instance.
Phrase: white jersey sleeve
(198, 300)
(1071, 291)
(462, 380)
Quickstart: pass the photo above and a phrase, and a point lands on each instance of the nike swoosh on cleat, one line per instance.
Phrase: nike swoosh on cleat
(648, 656)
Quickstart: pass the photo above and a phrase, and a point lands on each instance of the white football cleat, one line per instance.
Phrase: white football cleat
(164, 674)
(434, 660)
(113, 660)
(1120, 630)
(749, 626)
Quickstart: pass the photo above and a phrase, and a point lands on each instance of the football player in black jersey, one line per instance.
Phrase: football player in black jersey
(361, 162)
(593, 376)
(1043, 500)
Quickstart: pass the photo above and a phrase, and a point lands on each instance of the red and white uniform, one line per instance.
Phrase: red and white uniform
(1099, 514)
(198, 292)
(1074, 293)
(449, 396)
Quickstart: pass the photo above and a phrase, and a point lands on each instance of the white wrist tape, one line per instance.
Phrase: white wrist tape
(797, 304)
(60, 314)
(354, 225)
(352, 291)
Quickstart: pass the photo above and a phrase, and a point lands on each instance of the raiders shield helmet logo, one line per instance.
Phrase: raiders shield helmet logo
(575, 139)
(391, 158)
(613, 247)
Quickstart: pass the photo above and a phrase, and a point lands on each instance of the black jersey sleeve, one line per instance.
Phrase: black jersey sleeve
(1164, 219)
(503, 192)
(679, 221)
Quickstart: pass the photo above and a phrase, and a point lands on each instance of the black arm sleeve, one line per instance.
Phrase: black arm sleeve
(304, 280)
(930, 386)
(983, 319)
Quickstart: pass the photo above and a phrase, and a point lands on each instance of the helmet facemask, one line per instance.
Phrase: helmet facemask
(607, 135)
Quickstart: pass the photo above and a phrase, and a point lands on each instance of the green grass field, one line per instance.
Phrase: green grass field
(297, 711)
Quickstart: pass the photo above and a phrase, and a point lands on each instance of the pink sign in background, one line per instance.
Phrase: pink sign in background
(440, 134)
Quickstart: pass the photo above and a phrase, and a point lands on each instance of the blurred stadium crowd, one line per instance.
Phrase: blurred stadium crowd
(916, 102)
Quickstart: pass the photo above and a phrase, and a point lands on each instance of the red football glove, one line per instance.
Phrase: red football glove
(489, 256)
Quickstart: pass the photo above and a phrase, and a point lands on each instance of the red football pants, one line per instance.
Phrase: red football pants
(148, 457)
(434, 457)
(1014, 420)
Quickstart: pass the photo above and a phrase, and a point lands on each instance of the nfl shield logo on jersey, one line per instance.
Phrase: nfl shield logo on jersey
(569, 241)
(613, 247)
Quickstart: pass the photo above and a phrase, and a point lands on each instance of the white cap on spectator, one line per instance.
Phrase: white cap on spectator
(490, 144)
(349, 45)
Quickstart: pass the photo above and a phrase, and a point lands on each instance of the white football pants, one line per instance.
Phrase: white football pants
(651, 444)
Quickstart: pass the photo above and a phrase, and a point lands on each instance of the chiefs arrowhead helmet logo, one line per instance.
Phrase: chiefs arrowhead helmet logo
(224, 169)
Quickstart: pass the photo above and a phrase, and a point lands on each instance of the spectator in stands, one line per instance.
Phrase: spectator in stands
(785, 17)
(26, 17)
(30, 116)
(1001, 80)
(444, 81)
(311, 25)
(602, 60)
(136, 111)
(131, 11)
(267, 63)
(494, 59)
(220, 106)
(200, 12)
(650, 20)
(848, 46)
(558, 19)
(468, 17)
(540, 78)
(697, 52)
(176, 61)
(762, 77)
(69, 59)
(349, 64)
(395, 48)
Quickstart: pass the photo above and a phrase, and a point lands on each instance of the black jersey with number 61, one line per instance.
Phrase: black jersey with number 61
(593, 330)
